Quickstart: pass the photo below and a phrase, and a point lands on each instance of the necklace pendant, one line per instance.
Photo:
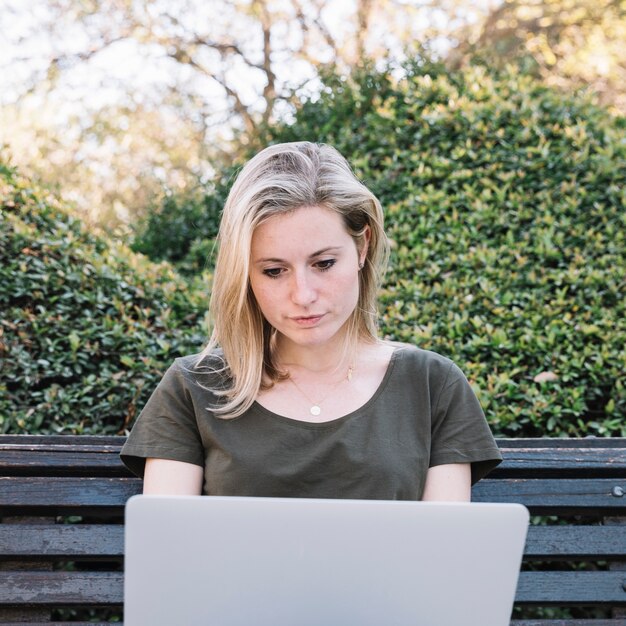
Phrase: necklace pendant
(315, 410)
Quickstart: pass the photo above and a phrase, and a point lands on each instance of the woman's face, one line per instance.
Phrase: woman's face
(304, 269)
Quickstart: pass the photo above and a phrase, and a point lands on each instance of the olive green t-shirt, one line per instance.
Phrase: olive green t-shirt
(424, 413)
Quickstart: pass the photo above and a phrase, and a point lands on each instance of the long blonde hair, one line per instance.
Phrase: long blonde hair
(280, 179)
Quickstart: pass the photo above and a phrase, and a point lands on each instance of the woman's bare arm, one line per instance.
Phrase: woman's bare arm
(163, 477)
(451, 482)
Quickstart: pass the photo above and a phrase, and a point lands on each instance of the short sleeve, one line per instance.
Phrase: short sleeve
(459, 429)
(166, 427)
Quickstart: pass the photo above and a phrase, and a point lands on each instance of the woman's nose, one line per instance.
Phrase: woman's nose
(303, 290)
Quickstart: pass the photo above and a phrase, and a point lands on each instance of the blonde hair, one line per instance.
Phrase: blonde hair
(280, 179)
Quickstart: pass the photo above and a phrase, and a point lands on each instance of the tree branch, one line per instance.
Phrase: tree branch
(321, 27)
(364, 11)
(269, 91)
(182, 56)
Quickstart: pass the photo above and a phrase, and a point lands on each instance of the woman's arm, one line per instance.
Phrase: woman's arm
(163, 477)
(452, 482)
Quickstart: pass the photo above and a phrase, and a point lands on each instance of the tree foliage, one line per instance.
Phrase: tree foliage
(110, 164)
(86, 327)
(569, 44)
(116, 101)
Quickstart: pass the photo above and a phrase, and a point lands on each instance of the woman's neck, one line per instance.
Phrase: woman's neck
(319, 360)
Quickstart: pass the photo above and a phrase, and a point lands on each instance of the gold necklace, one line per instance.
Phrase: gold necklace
(316, 407)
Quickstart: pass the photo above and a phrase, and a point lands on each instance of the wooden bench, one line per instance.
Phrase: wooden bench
(61, 532)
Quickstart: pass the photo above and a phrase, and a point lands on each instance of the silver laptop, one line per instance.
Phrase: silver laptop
(217, 561)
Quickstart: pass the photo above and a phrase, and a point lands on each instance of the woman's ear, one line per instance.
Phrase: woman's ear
(365, 244)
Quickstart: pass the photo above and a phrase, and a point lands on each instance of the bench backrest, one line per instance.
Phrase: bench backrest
(62, 506)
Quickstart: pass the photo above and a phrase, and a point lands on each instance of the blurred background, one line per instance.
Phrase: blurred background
(120, 101)
(492, 131)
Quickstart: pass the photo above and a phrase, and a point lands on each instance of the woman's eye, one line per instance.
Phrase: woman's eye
(273, 272)
(325, 265)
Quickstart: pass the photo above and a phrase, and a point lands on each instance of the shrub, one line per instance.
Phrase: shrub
(505, 206)
(86, 327)
(182, 228)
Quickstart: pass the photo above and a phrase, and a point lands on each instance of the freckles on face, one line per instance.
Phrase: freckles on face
(304, 273)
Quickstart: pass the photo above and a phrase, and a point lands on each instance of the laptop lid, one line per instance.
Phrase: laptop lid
(218, 561)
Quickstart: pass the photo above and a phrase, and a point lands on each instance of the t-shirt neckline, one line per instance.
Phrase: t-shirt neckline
(338, 420)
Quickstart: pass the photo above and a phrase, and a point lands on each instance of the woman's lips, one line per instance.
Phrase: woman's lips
(307, 321)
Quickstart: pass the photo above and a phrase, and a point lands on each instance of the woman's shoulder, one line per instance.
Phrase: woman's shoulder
(206, 367)
(212, 359)
(413, 353)
(413, 360)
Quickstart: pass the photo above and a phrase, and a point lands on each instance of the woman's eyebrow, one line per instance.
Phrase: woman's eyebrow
(311, 256)
(325, 251)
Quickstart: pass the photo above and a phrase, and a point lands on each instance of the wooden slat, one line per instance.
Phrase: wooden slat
(549, 496)
(571, 588)
(551, 443)
(539, 495)
(569, 622)
(67, 541)
(53, 456)
(105, 588)
(576, 543)
(591, 457)
(549, 622)
(107, 540)
(76, 455)
(97, 441)
(61, 446)
(61, 463)
(518, 463)
(546, 622)
(562, 463)
(66, 494)
(61, 588)
(521, 442)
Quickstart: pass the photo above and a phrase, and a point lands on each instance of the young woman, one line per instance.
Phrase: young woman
(296, 395)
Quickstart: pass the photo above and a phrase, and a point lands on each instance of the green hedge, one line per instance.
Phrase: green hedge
(182, 228)
(505, 203)
(86, 327)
